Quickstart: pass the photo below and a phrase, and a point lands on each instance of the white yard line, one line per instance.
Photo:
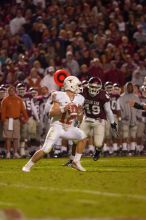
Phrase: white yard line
(90, 218)
(84, 191)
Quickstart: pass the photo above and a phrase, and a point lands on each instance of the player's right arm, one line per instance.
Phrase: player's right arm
(55, 109)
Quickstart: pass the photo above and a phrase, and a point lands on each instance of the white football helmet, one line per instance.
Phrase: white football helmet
(72, 83)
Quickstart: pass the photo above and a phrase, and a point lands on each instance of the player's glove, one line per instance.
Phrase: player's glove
(114, 129)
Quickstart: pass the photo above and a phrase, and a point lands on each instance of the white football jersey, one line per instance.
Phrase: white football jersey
(63, 99)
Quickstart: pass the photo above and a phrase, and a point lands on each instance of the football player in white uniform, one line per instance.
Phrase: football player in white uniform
(66, 107)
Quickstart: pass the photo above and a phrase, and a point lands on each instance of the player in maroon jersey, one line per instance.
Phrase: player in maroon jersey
(96, 111)
(38, 102)
(46, 98)
(28, 130)
(111, 142)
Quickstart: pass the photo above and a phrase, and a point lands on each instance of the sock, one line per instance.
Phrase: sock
(132, 146)
(77, 157)
(141, 148)
(115, 146)
(22, 151)
(29, 164)
(22, 148)
(138, 148)
(91, 148)
(124, 148)
(105, 148)
(111, 150)
(63, 148)
(71, 157)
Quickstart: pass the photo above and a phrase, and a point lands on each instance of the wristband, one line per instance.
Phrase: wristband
(62, 109)
(138, 106)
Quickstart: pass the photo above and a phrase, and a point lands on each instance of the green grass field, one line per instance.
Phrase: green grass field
(111, 188)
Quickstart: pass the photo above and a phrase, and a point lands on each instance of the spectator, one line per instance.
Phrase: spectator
(128, 67)
(33, 80)
(12, 108)
(17, 22)
(140, 35)
(114, 75)
(139, 74)
(84, 73)
(48, 80)
(40, 3)
(38, 68)
(72, 64)
(96, 69)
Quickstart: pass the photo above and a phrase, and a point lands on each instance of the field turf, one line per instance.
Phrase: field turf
(112, 188)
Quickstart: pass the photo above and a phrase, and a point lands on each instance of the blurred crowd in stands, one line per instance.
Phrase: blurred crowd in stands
(100, 38)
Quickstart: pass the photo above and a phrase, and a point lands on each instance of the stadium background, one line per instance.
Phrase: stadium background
(106, 39)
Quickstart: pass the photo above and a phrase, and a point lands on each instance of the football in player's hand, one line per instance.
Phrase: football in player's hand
(73, 109)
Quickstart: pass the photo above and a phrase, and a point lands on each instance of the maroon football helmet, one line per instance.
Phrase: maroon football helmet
(21, 89)
(94, 86)
(33, 91)
(116, 88)
(108, 86)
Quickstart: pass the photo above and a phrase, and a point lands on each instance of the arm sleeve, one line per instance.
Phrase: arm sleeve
(109, 112)
(23, 110)
(3, 110)
(34, 110)
(47, 107)
(118, 105)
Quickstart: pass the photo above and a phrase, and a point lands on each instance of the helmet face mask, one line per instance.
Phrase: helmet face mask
(72, 83)
(94, 86)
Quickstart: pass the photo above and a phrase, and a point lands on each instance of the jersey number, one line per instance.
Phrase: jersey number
(92, 109)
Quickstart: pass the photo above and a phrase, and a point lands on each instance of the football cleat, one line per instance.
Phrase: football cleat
(68, 164)
(25, 169)
(76, 165)
(96, 154)
(16, 156)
